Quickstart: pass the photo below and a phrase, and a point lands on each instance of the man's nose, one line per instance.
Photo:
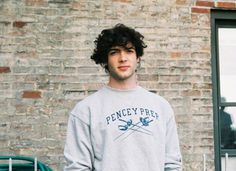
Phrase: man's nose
(123, 56)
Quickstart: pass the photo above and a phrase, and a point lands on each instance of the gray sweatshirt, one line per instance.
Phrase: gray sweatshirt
(122, 130)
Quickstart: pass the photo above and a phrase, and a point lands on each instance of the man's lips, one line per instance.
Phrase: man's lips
(123, 68)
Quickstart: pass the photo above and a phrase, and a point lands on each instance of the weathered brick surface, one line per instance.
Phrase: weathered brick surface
(226, 5)
(200, 10)
(205, 3)
(45, 68)
(5, 70)
(31, 94)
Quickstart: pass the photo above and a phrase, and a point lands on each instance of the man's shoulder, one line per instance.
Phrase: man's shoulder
(153, 95)
(89, 99)
(82, 108)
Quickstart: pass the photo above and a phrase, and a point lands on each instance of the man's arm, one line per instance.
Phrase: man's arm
(173, 156)
(78, 150)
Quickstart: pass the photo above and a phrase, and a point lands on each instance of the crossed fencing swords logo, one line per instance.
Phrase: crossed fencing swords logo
(129, 127)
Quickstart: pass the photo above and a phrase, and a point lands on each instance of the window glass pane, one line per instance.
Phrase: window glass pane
(231, 166)
(228, 127)
(227, 62)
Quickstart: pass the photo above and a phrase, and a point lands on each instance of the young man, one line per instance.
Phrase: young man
(121, 127)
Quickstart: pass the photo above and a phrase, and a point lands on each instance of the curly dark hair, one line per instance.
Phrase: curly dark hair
(119, 35)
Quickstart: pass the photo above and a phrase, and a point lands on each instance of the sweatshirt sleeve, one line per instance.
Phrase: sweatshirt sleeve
(78, 150)
(173, 156)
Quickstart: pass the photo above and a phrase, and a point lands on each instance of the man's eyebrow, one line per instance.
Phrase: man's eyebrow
(132, 47)
(114, 48)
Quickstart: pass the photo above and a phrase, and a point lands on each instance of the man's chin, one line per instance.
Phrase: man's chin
(122, 77)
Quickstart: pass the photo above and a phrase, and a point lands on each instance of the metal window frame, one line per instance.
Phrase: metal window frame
(219, 18)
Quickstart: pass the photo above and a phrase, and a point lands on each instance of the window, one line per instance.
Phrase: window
(223, 24)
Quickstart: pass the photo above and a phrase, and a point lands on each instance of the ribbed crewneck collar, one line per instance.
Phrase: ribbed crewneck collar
(122, 90)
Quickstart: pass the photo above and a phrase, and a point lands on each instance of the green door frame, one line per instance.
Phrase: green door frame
(219, 18)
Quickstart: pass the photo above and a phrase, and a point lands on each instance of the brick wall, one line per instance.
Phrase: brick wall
(45, 68)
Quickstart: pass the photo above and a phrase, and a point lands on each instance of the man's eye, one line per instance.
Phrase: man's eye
(112, 52)
(130, 50)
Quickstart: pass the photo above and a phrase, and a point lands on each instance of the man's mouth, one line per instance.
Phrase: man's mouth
(123, 68)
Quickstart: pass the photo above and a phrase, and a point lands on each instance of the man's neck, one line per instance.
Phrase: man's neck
(124, 85)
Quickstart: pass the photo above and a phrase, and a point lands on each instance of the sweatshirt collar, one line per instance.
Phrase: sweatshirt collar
(122, 90)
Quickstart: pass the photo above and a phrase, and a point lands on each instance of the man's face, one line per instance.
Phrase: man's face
(122, 62)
